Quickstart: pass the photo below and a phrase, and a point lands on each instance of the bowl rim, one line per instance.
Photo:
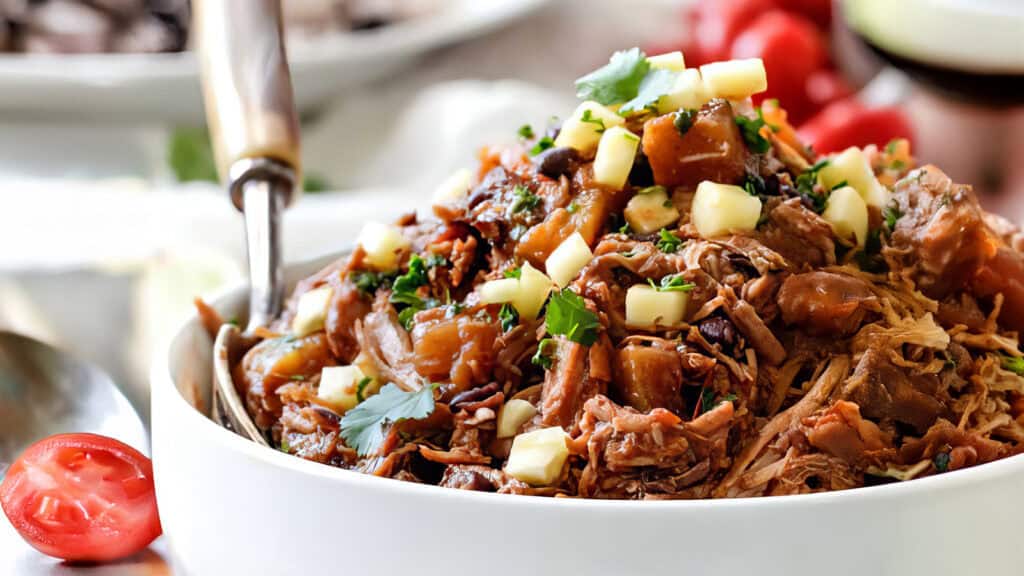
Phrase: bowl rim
(161, 377)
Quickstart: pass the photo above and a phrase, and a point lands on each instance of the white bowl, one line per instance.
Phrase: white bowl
(229, 506)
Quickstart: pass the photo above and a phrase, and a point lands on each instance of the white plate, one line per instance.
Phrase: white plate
(230, 506)
(166, 86)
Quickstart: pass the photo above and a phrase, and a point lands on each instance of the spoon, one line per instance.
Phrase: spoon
(44, 391)
(255, 134)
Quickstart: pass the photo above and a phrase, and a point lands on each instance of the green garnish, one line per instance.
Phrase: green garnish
(368, 282)
(285, 446)
(650, 189)
(516, 273)
(707, 399)
(404, 291)
(805, 185)
(414, 278)
(567, 315)
(297, 378)
(668, 242)
(753, 184)
(508, 316)
(524, 199)
(588, 118)
(891, 215)
(1014, 364)
(573, 207)
(683, 120)
(361, 388)
(541, 358)
(890, 148)
(839, 185)
(674, 283)
(526, 132)
(617, 81)
(656, 83)
(362, 427)
(870, 259)
(941, 461)
(751, 130)
(542, 145)
(625, 229)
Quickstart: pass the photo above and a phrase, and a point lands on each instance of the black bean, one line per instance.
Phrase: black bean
(474, 395)
(718, 330)
(554, 162)
(330, 416)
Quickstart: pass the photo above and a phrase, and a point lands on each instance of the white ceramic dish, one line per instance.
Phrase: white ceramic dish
(166, 86)
(231, 507)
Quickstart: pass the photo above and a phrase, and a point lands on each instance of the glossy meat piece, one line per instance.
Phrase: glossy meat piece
(649, 377)
(346, 308)
(577, 374)
(712, 148)
(825, 303)
(387, 344)
(460, 349)
(273, 363)
(802, 237)
(843, 433)
(883, 390)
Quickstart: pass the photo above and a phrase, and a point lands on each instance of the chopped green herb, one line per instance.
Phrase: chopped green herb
(897, 165)
(233, 321)
(941, 461)
(652, 189)
(683, 120)
(588, 118)
(870, 258)
(891, 215)
(526, 132)
(842, 184)
(524, 199)
(542, 145)
(362, 427)
(541, 357)
(404, 291)
(297, 378)
(285, 446)
(361, 388)
(617, 81)
(414, 278)
(573, 207)
(707, 399)
(668, 242)
(730, 397)
(890, 148)
(754, 184)
(751, 130)
(1014, 364)
(368, 282)
(656, 83)
(674, 283)
(516, 273)
(806, 182)
(508, 316)
(625, 229)
(567, 315)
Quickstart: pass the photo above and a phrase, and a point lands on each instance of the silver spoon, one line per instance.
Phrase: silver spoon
(255, 133)
(44, 391)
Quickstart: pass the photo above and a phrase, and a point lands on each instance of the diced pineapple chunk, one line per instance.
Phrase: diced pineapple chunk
(366, 364)
(846, 211)
(646, 307)
(537, 457)
(615, 154)
(735, 79)
(383, 245)
(568, 259)
(650, 211)
(584, 135)
(718, 209)
(688, 92)
(311, 311)
(499, 291)
(339, 387)
(512, 415)
(852, 166)
(454, 187)
(534, 288)
(668, 61)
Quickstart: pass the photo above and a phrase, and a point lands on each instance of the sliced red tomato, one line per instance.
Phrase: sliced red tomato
(848, 123)
(716, 24)
(82, 497)
(820, 11)
(792, 49)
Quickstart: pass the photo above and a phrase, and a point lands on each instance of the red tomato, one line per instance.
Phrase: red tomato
(820, 11)
(826, 86)
(82, 497)
(848, 123)
(792, 49)
(716, 23)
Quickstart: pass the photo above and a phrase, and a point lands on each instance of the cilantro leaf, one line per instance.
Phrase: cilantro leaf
(541, 357)
(368, 282)
(567, 315)
(508, 316)
(655, 84)
(751, 130)
(404, 291)
(668, 242)
(683, 120)
(891, 215)
(1014, 364)
(572, 208)
(625, 229)
(674, 283)
(588, 118)
(362, 427)
(526, 132)
(414, 278)
(516, 273)
(524, 199)
(617, 81)
(361, 388)
(805, 186)
(542, 145)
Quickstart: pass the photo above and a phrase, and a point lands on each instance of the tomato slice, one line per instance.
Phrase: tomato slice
(82, 497)
(847, 122)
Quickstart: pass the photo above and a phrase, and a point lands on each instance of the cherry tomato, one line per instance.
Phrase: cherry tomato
(82, 497)
(792, 49)
(716, 23)
(826, 86)
(848, 123)
(820, 11)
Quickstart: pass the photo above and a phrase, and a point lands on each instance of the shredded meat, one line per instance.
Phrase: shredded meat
(825, 303)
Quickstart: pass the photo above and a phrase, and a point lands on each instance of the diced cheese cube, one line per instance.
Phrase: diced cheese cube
(852, 166)
(615, 154)
(735, 79)
(568, 259)
(534, 288)
(718, 209)
(846, 211)
(454, 187)
(537, 457)
(512, 415)
(311, 311)
(584, 136)
(339, 387)
(668, 61)
(688, 92)
(651, 211)
(383, 245)
(499, 291)
(646, 307)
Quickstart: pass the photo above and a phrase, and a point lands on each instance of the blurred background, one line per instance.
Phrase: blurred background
(110, 223)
